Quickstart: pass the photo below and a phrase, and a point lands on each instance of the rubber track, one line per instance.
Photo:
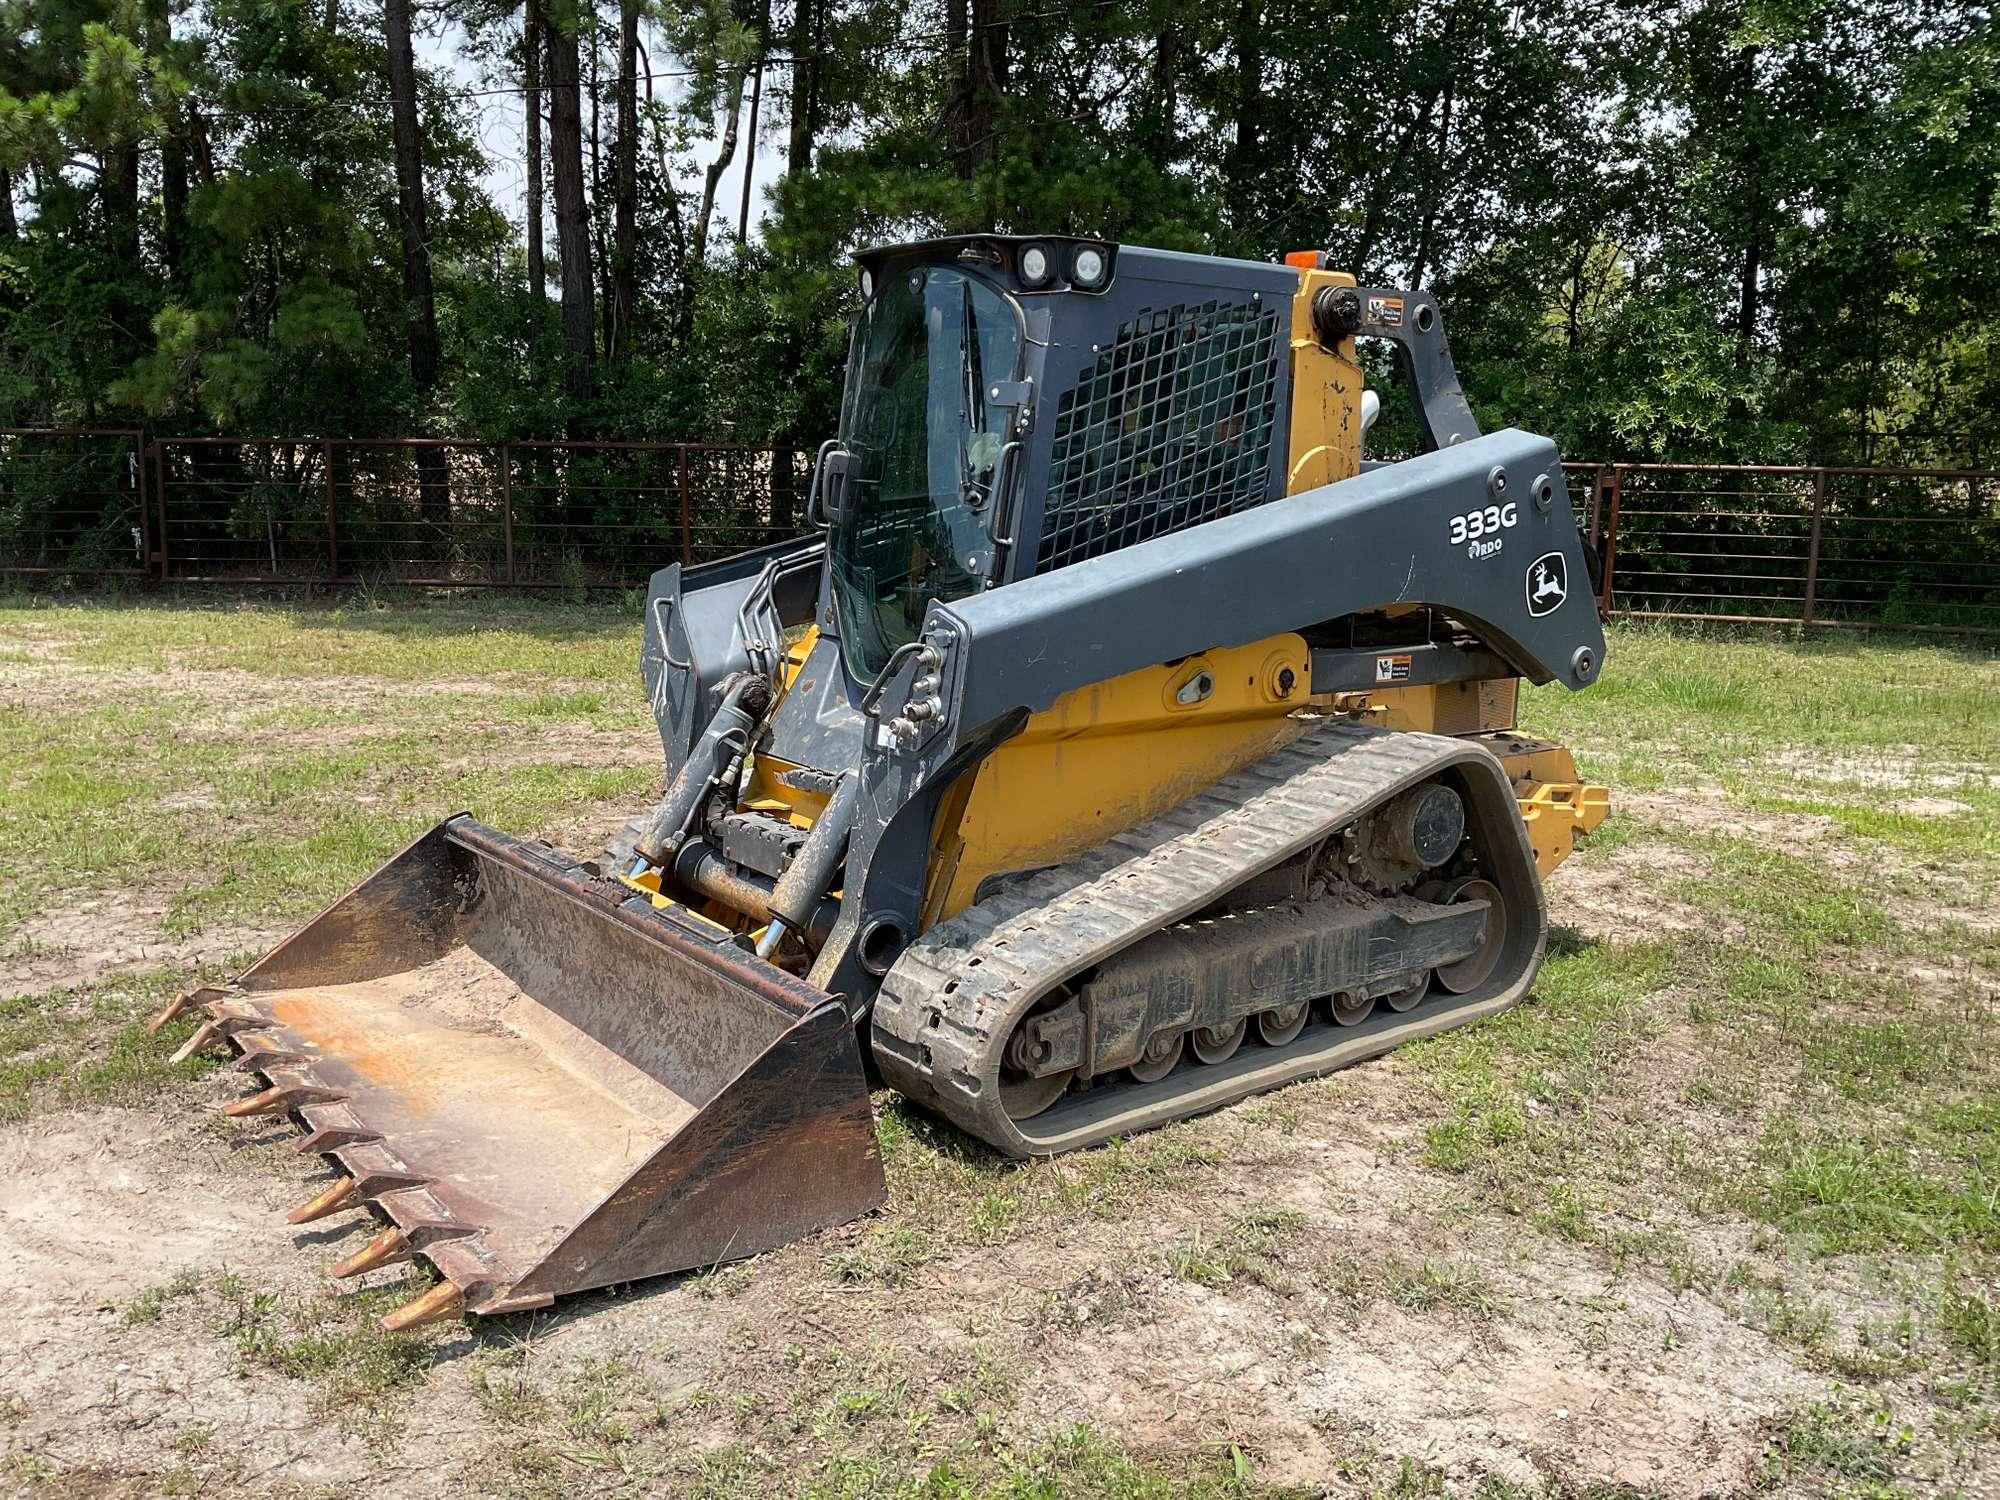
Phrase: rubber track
(950, 1002)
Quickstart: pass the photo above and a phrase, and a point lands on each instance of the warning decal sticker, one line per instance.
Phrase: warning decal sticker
(1392, 669)
(1386, 311)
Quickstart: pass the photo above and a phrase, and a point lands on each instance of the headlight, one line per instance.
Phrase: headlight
(867, 285)
(1089, 268)
(1034, 266)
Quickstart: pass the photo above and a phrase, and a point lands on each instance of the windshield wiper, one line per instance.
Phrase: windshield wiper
(975, 382)
(970, 492)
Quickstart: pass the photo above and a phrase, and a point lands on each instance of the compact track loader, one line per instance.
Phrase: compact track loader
(1123, 744)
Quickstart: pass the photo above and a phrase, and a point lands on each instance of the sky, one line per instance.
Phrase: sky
(501, 122)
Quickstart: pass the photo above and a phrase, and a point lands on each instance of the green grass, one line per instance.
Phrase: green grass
(401, 636)
(258, 801)
(90, 1047)
(1839, 726)
(1512, 1093)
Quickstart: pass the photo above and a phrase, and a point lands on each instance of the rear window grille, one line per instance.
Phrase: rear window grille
(1172, 427)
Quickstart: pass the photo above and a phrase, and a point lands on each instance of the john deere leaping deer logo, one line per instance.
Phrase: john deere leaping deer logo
(1548, 583)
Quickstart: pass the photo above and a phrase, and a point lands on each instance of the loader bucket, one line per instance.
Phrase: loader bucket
(542, 1082)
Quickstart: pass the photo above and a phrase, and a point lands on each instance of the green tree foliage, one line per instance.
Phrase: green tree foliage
(1706, 229)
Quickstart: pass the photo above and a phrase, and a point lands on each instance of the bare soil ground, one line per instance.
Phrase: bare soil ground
(1636, 1238)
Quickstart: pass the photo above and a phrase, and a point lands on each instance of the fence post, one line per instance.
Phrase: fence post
(159, 460)
(1616, 490)
(687, 514)
(507, 505)
(332, 535)
(1598, 481)
(1812, 549)
(142, 485)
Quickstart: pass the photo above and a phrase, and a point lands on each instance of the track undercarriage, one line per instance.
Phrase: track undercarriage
(1351, 892)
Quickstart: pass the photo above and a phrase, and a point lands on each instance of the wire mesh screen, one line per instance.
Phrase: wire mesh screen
(1171, 427)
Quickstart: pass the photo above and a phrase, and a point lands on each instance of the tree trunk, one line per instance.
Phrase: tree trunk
(1433, 188)
(600, 252)
(1752, 264)
(419, 303)
(625, 170)
(173, 155)
(173, 206)
(531, 79)
(1746, 290)
(986, 79)
(1248, 44)
(572, 220)
(958, 103)
(725, 153)
(750, 156)
(333, 17)
(1166, 94)
(10, 227)
(804, 43)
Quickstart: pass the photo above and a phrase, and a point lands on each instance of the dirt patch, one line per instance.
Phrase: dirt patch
(1930, 807)
(1894, 768)
(1916, 893)
(94, 935)
(1571, 1374)
(95, 1210)
(1621, 897)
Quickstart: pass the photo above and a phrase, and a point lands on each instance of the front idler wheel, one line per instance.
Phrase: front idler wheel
(1022, 1093)
(1473, 970)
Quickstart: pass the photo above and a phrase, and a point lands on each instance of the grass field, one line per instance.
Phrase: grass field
(1716, 1212)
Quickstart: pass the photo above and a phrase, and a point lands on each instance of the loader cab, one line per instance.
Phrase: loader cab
(1017, 404)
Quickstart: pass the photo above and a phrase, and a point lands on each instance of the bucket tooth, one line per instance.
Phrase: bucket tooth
(202, 995)
(262, 1059)
(205, 1036)
(172, 1008)
(339, 1194)
(441, 1301)
(327, 1138)
(386, 1248)
(376, 1184)
(279, 1098)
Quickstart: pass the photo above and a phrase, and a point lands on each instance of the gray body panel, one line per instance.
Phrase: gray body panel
(695, 633)
(1376, 540)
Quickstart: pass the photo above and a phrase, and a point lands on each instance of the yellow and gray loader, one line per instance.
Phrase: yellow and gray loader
(1123, 744)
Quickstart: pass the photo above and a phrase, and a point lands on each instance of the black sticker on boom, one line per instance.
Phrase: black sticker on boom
(1548, 583)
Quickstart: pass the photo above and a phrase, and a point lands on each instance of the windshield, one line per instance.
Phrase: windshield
(924, 441)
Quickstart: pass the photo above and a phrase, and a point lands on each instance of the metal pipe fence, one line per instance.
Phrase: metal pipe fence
(427, 512)
(1872, 548)
(1848, 548)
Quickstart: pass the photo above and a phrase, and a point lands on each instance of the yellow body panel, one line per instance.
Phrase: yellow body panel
(1326, 396)
(1111, 755)
(1557, 807)
(1438, 708)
